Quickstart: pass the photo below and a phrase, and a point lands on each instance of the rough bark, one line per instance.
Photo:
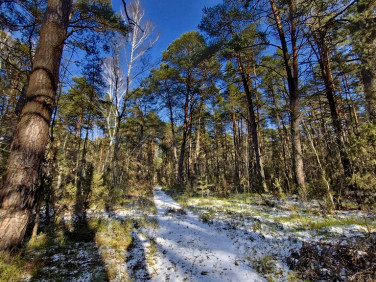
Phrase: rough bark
(20, 182)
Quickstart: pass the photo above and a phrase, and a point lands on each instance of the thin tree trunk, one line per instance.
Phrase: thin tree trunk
(100, 155)
(293, 85)
(368, 69)
(322, 170)
(236, 150)
(261, 182)
(174, 146)
(327, 76)
(186, 127)
(115, 152)
(196, 165)
(28, 148)
(285, 153)
(369, 83)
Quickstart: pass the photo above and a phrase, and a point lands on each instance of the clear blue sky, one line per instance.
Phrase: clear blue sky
(172, 18)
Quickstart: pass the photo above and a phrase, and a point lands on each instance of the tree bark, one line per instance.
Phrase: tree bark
(20, 182)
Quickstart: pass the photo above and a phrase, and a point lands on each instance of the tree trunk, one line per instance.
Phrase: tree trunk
(261, 183)
(369, 83)
(115, 153)
(322, 170)
(293, 85)
(284, 143)
(236, 150)
(366, 10)
(327, 76)
(174, 146)
(28, 148)
(196, 164)
(185, 137)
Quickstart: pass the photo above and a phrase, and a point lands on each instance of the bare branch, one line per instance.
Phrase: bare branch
(130, 21)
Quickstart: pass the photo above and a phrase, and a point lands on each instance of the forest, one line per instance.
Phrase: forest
(262, 121)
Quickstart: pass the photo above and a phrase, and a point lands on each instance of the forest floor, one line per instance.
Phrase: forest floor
(291, 240)
(204, 238)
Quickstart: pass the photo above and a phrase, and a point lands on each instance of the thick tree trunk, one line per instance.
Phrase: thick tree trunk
(20, 182)
(297, 153)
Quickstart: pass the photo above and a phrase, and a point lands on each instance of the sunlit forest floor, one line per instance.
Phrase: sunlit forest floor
(290, 239)
(279, 239)
(101, 248)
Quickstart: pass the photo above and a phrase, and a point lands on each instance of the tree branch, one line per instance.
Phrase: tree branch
(130, 21)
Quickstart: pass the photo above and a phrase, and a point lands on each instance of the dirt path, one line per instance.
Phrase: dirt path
(190, 250)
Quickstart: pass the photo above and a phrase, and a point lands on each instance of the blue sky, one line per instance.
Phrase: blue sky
(172, 18)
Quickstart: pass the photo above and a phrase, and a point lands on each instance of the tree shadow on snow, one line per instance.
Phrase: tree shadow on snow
(136, 259)
(73, 253)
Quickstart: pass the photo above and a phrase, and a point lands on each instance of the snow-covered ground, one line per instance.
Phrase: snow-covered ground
(292, 241)
(206, 238)
(190, 250)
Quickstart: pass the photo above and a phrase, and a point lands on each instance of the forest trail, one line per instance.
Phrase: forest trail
(190, 250)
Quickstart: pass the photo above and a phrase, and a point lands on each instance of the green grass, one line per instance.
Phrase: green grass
(306, 222)
(152, 252)
(64, 254)
(266, 266)
(13, 267)
(207, 217)
(329, 222)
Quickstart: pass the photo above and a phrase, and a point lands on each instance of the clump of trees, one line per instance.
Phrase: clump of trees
(271, 97)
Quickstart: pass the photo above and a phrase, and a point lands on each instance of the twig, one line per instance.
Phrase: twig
(130, 21)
